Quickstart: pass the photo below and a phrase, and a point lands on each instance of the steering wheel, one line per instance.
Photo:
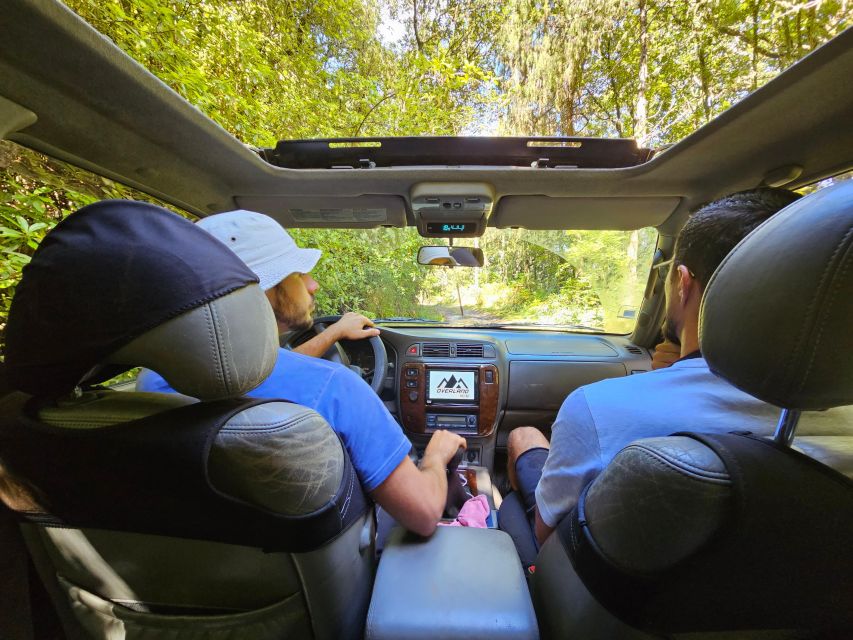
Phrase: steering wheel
(336, 353)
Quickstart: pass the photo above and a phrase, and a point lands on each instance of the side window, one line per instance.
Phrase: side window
(36, 193)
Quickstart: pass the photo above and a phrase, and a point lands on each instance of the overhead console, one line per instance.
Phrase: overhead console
(452, 209)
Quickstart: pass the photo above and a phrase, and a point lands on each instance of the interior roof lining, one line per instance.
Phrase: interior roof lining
(147, 136)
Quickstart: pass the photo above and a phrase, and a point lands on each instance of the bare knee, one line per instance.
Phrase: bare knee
(523, 439)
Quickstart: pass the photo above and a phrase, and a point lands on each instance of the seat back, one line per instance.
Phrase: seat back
(274, 459)
(279, 456)
(672, 539)
(729, 535)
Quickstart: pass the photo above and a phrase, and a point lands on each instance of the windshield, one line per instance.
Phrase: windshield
(577, 280)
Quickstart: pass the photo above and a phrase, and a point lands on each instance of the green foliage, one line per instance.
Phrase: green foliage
(569, 277)
(272, 69)
(654, 70)
(372, 272)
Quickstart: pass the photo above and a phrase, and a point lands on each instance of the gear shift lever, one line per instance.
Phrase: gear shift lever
(456, 495)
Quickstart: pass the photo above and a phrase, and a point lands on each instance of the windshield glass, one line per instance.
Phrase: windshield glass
(578, 280)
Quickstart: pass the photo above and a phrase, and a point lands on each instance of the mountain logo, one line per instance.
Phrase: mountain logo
(452, 383)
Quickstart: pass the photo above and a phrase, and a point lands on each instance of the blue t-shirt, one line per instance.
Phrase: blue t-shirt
(375, 442)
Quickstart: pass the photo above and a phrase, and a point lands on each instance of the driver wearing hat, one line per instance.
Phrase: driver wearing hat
(414, 496)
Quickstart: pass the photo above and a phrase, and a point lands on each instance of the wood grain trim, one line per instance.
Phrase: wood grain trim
(413, 411)
(489, 394)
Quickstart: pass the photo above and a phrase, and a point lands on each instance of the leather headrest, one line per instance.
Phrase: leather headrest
(777, 315)
(221, 349)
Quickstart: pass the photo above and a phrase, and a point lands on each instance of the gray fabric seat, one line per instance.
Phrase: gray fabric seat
(278, 456)
(775, 321)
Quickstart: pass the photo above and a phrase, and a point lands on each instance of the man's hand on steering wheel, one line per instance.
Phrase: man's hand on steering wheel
(353, 326)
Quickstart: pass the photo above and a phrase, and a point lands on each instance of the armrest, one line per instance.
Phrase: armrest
(460, 583)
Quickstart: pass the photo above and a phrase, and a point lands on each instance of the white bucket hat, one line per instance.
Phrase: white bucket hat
(262, 243)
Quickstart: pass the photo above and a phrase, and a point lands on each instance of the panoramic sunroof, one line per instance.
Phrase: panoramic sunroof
(537, 152)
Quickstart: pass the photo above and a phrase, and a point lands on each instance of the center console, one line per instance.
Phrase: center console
(460, 583)
(463, 399)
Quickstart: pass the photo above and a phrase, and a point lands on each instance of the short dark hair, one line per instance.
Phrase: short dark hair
(713, 231)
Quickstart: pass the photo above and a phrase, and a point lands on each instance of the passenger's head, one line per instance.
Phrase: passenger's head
(269, 251)
(705, 240)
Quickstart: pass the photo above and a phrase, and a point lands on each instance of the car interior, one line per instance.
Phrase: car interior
(668, 542)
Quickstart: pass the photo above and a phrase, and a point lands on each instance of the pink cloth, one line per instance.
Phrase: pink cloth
(473, 513)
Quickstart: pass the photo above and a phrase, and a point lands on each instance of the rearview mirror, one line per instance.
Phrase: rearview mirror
(450, 256)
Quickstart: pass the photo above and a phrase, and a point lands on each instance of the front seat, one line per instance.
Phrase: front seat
(732, 536)
(157, 515)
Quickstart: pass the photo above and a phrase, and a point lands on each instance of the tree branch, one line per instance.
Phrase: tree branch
(742, 36)
(372, 109)
(418, 40)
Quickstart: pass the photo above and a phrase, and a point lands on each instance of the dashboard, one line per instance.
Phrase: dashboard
(482, 383)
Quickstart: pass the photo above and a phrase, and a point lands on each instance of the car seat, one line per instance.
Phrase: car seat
(724, 536)
(137, 535)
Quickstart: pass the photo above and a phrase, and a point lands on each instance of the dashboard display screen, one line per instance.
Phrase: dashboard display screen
(453, 386)
(451, 229)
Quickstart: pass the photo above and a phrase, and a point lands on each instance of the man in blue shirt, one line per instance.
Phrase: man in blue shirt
(598, 420)
(413, 496)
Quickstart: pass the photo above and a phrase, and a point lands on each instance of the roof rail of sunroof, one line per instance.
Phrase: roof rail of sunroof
(537, 152)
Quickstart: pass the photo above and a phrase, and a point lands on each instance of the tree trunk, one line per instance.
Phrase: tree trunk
(755, 15)
(633, 253)
(641, 123)
(418, 40)
(703, 80)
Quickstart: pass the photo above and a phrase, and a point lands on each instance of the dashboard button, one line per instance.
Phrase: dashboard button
(414, 350)
(490, 376)
(413, 396)
(412, 372)
(412, 384)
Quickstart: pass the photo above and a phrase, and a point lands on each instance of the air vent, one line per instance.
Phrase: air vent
(435, 350)
(635, 350)
(469, 351)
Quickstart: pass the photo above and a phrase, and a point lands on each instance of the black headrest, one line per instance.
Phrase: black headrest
(777, 316)
(104, 276)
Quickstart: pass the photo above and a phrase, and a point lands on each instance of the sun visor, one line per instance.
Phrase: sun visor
(546, 212)
(350, 212)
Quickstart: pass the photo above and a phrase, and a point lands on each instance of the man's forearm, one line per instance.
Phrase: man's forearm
(435, 476)
(318, 345)
(413, 496)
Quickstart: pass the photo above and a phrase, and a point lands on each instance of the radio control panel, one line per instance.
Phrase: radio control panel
(451, 421)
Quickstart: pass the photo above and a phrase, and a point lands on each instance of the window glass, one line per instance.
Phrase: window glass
(579, 280)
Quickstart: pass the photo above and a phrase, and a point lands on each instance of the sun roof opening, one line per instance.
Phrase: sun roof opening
(529, 152)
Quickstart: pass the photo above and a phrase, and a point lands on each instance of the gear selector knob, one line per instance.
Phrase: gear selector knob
(456, 495)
